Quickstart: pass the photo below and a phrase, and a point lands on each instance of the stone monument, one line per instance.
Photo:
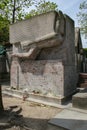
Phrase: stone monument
(43, 59)
(78, 51)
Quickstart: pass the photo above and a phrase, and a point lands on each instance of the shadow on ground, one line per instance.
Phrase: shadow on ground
(12, 120)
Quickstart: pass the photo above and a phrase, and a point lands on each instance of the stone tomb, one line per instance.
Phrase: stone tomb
(43, 59)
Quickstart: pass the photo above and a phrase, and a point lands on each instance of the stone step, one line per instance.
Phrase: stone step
(69, 119)
(38, 98)
(79, 100)
(54, 127)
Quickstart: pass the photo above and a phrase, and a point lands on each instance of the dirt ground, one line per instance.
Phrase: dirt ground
(35, 116)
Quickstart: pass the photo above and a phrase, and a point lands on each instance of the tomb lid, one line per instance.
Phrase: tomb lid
(38, 27)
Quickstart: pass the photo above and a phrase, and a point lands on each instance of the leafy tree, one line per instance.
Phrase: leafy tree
(10, 12)
(42, 7)
(82, 17)
(4, 30)
(14, 9)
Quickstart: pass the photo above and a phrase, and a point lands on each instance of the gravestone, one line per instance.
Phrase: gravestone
(44, 55)
(78, 51)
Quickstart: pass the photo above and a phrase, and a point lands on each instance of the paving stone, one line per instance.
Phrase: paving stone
(69, 119)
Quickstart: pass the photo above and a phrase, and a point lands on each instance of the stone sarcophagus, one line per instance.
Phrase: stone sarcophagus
(43, 59)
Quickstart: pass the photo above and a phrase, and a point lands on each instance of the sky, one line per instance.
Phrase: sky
(71, 8)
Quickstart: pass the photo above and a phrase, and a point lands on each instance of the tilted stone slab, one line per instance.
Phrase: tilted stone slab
(38, 28)
(33, 33)
(69, 119)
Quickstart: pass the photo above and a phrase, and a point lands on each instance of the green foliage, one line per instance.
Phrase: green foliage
(42, 7)
(82, 16)
(31, 13)
(4, 30)
(10, 12)
(14, 10)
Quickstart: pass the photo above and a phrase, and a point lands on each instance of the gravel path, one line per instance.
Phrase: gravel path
(35, 116)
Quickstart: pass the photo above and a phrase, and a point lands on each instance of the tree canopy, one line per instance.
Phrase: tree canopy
(15, 10)
(82, 17)
(4, 29)
(10, 12)
(42, 6)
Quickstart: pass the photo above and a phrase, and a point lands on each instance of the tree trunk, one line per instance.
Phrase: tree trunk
(1, 103)
(13, 17)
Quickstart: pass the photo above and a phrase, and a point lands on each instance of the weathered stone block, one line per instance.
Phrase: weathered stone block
(37, 28)
(79, 100)
(41, 76)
